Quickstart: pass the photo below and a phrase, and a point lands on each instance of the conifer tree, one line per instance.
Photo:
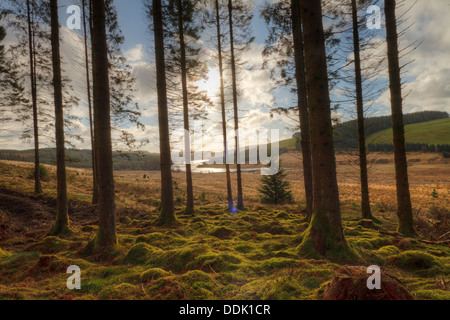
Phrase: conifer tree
(62, 211)
(404, 210)
(275, 189)
(324, 236)
(106, 235)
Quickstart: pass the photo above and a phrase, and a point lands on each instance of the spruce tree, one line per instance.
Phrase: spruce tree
(275, 189)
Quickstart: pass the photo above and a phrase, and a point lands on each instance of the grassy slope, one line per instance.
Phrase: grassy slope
(213, 255)
(431, 132)
(83, 158)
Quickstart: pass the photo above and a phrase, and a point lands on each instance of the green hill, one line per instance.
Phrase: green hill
(426, 127)
(431, 132)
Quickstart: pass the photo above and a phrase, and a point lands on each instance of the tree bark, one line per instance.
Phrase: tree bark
(240, 198)
(365, 201)
(187, 152)
(222, 101)
(404, 210)
(167, 214)
(302, 104)
(37, 176)
(324, 236)
(62, 215)
(91, 121)
(106, 234)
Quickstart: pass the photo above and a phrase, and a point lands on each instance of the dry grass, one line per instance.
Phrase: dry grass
(428, 173)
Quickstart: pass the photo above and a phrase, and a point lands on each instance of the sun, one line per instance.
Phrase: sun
(210, 85)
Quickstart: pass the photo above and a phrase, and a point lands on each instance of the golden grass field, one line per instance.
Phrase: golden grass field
(427, 172)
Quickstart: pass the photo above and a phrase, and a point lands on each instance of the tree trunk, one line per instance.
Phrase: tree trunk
(302, 104)
(91, 122)
(324, 236)
(365, 201)
(62, 215)
(240, 198)
(222, 101)
(37, 176)
(187, 150)
(167, 214)
(404, 210)
(106, 234)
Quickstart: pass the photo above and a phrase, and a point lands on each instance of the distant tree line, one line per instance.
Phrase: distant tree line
(82, 159)
(11, 157)
(410, 147)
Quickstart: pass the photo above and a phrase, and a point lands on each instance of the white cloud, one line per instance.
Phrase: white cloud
(135, 54)
(428, 76)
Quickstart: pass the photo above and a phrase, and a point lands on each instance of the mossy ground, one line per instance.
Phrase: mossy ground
(213, 254)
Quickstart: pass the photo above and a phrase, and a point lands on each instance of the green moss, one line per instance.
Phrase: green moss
(322, 240)
(283, 215)
(252, 290)
(369, 240)
(284, 254)
(271, 246)
(280, 288)
(161, 240)
(222, 232)
(197, 278)
(153, 274)
(48, 264)
(318, 294)
(144, 254)
(433, 294)
(250, 257)
(166, 219)
(61, 228)
(89, 228)
(94, 286)
(124, 291)
(246, 236)
(286, 284)
(272, 264)
(244, 248)
(272, 228)
(179, 258)
(166, 289)
(50, 245)
(215, 262)
(3, 254)
(12, 265)
(103, 245)
(414, 260)
(125, 220)
(387, 251)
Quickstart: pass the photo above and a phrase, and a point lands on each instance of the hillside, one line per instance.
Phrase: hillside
(431, 132)
(83, 158)
(346, 137)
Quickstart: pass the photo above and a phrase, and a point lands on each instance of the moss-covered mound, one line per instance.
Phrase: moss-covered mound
(222, 232)
(143, 254)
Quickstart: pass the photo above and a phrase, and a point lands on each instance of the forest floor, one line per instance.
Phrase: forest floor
(214, 254)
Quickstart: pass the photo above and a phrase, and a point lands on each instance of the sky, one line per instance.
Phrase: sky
(428, 77)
